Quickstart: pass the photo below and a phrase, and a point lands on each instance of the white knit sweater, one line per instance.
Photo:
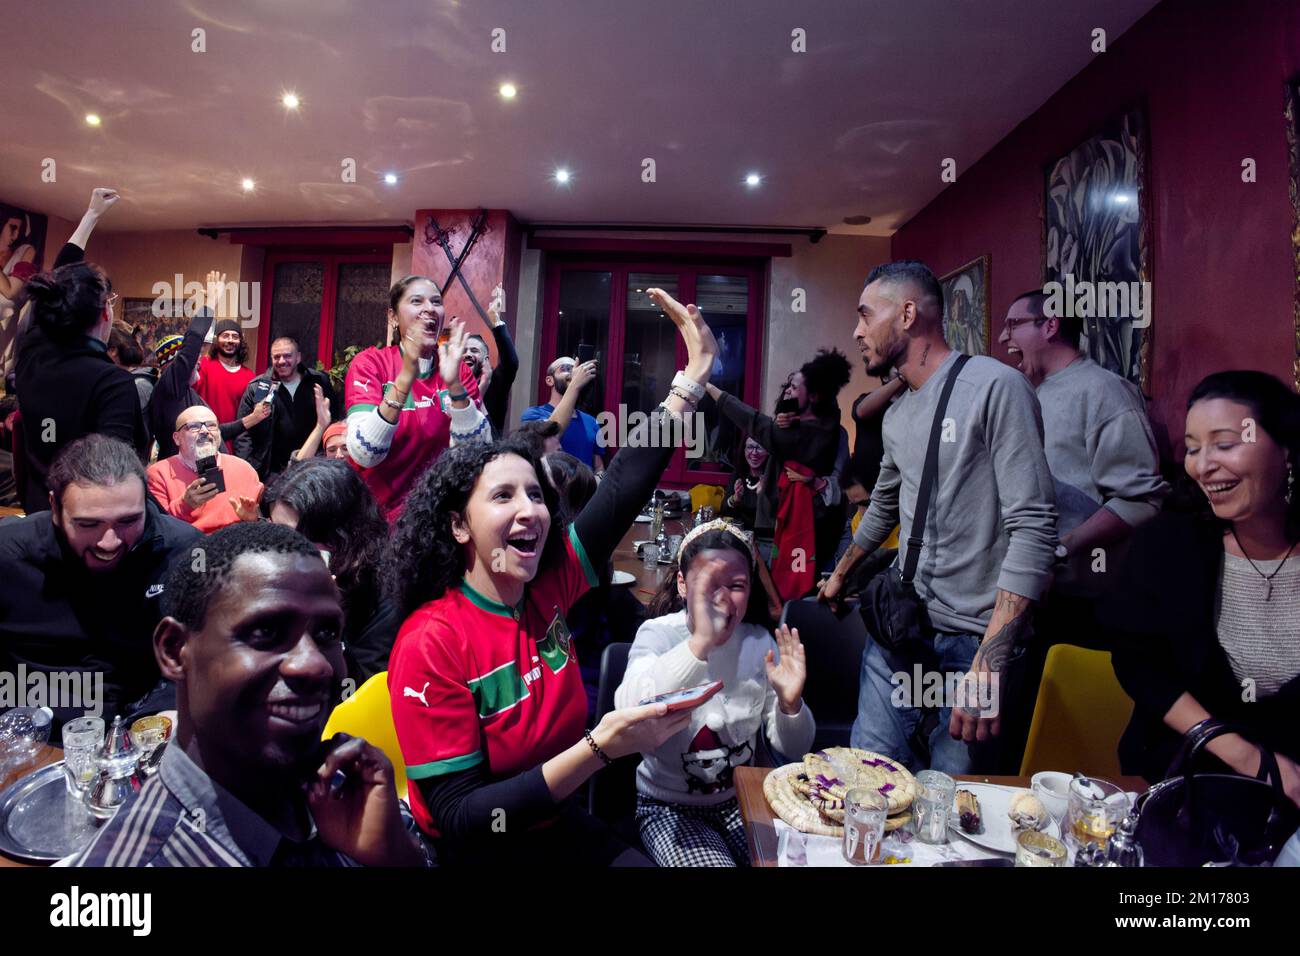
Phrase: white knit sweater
(695, 768)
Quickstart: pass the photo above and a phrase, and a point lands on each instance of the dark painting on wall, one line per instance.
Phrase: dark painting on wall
(22, 251)
(966, 321)
(1292, 114)
(151, 320)
(1096, 244)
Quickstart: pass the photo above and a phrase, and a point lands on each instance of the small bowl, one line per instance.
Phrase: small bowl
(1053, 788)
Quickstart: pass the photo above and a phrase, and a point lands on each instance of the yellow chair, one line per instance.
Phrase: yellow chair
(892, 540)
(1079, 716)
(711, 495)
(369, 714)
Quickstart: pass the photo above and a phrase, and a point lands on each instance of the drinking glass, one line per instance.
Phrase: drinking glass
(932, 805)
(1038, 849)
(82, 739)
(23, 731)
(149, 734)
(864, 825)
(650, 557)
(1095, 809)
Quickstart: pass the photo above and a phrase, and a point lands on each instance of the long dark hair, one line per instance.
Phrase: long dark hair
(425, 557)
(573, 481)
(1275, 408)
(668, 601)
(69, 301)
(337, 510)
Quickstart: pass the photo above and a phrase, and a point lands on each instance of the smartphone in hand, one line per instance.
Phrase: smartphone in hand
(686, 698)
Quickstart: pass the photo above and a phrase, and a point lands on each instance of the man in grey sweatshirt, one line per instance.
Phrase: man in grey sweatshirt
(1099, 445)
(990, 534)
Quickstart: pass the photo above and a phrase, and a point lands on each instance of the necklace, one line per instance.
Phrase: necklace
(752, 483)
(1268, 578)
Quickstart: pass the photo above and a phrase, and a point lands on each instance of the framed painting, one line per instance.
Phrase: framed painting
(151, 320)
(966, 320)
(1096, 243)
(1292, 114)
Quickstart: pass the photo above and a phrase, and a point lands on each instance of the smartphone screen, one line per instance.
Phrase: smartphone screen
(586, 352)
(686, 697)
(787, 406)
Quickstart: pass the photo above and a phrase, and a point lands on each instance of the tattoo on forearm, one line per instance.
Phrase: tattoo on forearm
(994, 654)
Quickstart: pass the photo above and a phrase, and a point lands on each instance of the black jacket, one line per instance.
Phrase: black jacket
(497, 397)
(268, 445)
(172, 393)
(57, 616)
(1161, 618)
(65, 392)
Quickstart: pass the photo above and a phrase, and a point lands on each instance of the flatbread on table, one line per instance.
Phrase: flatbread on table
(784, 792)
(875, 772)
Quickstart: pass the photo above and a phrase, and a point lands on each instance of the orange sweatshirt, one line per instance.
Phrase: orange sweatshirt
(169, 478)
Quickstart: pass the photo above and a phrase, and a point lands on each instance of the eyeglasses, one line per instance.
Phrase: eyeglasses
(1011, 324)
(195, 427)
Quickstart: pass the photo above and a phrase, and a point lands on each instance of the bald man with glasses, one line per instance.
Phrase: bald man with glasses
(199, 484)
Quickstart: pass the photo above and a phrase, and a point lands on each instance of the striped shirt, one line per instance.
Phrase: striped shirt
(182, 817)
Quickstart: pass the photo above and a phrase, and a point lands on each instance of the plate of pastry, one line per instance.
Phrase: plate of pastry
(993, 816)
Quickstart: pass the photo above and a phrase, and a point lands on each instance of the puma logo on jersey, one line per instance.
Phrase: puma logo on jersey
(360, 383)
(418, 694)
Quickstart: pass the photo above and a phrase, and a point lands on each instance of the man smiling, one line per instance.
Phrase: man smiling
(252, 642)
(83, 582)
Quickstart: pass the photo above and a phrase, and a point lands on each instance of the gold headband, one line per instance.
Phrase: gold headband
(719, 524)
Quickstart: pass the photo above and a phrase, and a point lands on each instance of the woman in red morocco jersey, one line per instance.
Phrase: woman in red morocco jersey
(486, 692)
(408, 403)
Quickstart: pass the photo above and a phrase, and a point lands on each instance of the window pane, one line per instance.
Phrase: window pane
(584, 319)
(360, 305)
(649, 344)
(296, 305)
(724, 300)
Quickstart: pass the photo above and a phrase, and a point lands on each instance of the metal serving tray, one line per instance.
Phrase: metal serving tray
(40, 822)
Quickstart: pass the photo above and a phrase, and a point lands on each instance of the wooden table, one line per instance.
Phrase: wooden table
(626, 558)
(760, 828)
(48, 755)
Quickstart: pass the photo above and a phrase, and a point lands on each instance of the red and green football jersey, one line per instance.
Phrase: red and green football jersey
(473, 681)
(423, 428)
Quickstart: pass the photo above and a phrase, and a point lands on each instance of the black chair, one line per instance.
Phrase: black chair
(611, 794)
(833, 648)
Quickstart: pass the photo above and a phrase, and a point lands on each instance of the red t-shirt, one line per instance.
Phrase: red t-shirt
(423, 429)
(221, 388)
(472, 680)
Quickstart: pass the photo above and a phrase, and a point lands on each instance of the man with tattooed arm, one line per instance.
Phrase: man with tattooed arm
(989, 536)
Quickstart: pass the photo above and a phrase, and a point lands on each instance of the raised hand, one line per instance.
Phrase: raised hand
(701, 346)
(787, 677)
(583, 375)
(322, 406)
(102, 199)
(452, 354)
(215, 286)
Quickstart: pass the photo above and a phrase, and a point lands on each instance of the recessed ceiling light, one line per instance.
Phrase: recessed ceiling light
(856, 220)
(561, 175)
(290, 101)
(1121, 198)
(248, 185)
(92, 119)
(391, 179)
(508, 90)
(752, 180)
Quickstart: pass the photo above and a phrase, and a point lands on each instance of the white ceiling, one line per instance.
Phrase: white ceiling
(709, 89)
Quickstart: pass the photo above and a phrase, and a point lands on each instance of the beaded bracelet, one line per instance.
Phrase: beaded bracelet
(595, 748)
(694, 388)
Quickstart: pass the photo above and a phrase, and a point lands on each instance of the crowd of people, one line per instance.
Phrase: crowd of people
(233, 547)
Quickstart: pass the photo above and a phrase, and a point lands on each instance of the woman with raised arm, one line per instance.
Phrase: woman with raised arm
(486, 692)
(408, 403)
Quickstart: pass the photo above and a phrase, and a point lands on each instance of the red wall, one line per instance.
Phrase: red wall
(493, 260)
(1212, 75)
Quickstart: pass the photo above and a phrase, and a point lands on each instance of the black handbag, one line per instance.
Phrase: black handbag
(1191, 819)
(894, 614)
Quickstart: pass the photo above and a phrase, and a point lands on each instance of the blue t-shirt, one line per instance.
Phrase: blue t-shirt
(580, 439)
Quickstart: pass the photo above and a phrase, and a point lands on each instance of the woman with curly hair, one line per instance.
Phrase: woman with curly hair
(327, 502)
(487, 696)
